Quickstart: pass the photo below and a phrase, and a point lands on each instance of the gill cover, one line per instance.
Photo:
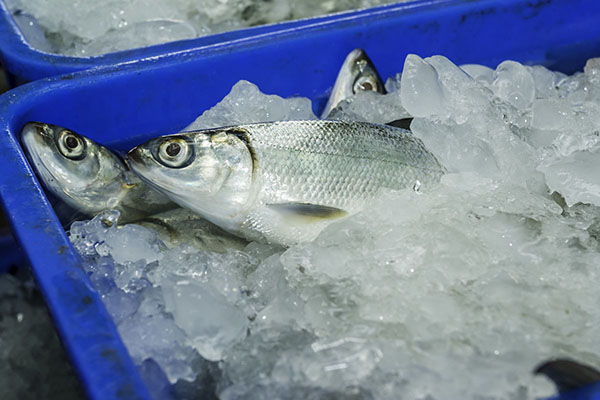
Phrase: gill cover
(209, 171)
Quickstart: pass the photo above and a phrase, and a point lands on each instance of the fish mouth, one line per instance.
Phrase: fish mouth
(357, 55)
(42, 129)
(33, 141)
(137, 162)
(133, 155)
(34, 137)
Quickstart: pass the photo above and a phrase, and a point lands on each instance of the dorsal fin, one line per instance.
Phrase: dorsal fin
(403, 123)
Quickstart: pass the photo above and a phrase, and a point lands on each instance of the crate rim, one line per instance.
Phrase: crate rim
(23, 60)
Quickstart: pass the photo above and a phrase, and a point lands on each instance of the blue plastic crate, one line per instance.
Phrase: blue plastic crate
(25, 63)
(128, 103)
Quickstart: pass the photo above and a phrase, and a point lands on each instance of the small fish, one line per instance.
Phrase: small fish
(283, 182)
(568, 374)
(358, 74)
(87, 176)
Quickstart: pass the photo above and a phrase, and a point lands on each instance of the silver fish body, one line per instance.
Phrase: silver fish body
(180, 226)
(87, 176)
(283, 182)
(357, 74)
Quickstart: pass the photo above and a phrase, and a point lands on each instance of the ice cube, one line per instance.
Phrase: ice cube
(513, 83)
(546, 81)
(479, 72)
(157, 336)
(421, 94)
(247, 104)
(131, 243)
(575, 177)
(551, 114)
(370, 107)
(212, 323)
(592, 71)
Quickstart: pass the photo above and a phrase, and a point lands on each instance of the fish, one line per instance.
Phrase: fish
(180, 226)
(87, 176)
(357, 74)
(568, 374)
(283, 182)
(69, 171)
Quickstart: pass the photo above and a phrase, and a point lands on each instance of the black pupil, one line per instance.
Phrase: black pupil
(367, 86)
(173, 149)
(71, 142)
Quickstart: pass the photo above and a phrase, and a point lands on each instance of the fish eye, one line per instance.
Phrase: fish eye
(174, 153)
(365, 83)
(71, 145)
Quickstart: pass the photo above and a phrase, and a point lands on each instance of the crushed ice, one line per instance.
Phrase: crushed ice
(455, 292)
(84, 28)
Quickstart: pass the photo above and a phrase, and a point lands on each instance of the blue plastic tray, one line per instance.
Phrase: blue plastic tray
(25, 64)
(128, 103)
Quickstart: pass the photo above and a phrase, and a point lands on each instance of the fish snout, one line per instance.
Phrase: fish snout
(36, 137)
(134, 156)
(40, 129)
(33, 129)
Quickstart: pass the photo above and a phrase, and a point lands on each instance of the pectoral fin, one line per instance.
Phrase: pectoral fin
(403, 123)
(307, 211)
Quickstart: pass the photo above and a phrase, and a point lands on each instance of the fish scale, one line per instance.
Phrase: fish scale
(336, 163)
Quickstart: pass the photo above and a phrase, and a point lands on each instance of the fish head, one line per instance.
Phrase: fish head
(209, 172)
(357, 74)
(361, 73)
(84, 174)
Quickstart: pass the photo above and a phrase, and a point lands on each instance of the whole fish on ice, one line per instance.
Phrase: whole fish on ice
(283, 182)
(87, 176)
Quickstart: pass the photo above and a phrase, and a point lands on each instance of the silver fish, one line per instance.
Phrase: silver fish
(87, 176)
(358, 74)
(283, 182)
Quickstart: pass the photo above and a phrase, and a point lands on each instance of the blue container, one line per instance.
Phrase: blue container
(25, 63)
(126, 104)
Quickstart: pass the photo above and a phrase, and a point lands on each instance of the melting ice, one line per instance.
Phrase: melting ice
(84, 28)
(455, 292)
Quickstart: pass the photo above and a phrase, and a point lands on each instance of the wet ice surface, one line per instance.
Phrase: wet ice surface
(33, 364)
(455, 292)
(87, 28)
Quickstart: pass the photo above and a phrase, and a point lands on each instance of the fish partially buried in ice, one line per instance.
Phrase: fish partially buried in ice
(357, 74)
(283, 182)
(87, 176)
